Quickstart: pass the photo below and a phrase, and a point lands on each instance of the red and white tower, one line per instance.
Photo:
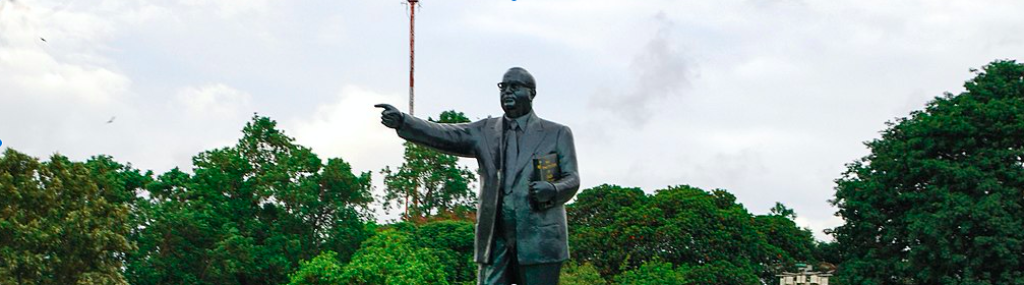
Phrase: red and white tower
(412, 50)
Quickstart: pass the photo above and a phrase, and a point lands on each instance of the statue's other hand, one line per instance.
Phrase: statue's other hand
(542, 191)
(390, 117)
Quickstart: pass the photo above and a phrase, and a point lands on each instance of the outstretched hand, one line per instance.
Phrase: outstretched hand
(390, 117)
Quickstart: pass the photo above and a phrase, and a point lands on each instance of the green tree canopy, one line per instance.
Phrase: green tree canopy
(938, 199)
(580, 274)
(404, 249)
(795, 244)
(248, 214)
(392, 258)
(429, 182)
(324, 269)
(719, 272)
(653, 273)
(64, 222)
(452, 242)
(618, 229)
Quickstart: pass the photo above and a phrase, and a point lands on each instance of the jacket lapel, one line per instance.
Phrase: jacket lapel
(532, 137)
(497, 142)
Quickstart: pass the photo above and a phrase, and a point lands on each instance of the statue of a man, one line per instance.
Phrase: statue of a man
(521, 231)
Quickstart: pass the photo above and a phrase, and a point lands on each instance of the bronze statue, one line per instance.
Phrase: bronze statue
(521, 231)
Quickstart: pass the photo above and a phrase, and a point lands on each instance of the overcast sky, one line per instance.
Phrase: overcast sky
(766, 99)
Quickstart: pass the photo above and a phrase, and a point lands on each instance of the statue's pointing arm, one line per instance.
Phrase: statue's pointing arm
(457, 139)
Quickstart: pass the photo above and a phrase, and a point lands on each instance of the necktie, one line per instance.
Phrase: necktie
(511, 154)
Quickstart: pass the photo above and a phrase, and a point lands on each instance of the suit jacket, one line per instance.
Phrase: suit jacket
(541, 234)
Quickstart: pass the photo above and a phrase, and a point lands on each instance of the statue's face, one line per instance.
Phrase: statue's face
(516, 95)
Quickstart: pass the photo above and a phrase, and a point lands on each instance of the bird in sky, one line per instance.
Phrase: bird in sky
(42, 39)
(111, 119)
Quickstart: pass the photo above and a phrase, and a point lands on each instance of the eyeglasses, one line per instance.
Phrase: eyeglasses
(512, 86)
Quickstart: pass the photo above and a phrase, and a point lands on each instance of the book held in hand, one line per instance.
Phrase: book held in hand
(545, 168)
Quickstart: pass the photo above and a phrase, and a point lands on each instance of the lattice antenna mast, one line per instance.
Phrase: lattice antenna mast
(412, 52)
(412, 71)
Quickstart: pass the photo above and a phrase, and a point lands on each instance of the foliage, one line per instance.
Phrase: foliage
(248, 214)
(829, 253)
(619, 229)
(391, 258)
(452, 243)
(938, 199)
(718, 272)
(795, 244)
(324, 269)
(782, 211)
(64, 222)
(596, 230)
(721, 272)
(583, 274)
(653, 273)
(429, 182)
(446, 247)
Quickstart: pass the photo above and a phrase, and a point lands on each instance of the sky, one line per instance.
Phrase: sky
(766, 99)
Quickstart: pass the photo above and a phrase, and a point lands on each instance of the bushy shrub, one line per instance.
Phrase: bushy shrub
(391, 258)
(324, 269)
(580, 274)
(653, 273)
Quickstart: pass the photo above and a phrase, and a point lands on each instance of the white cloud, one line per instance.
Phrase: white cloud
(818, 225)
(350, 128)
(660, 70)
(230, 8)
(786, 94)
(44, 52)
(33, 72)
(213, 100)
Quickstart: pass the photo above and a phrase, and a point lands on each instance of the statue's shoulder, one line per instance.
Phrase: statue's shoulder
(489, 121)
(553, 126)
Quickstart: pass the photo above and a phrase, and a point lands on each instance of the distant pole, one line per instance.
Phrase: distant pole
(412, 52)
(412, 69)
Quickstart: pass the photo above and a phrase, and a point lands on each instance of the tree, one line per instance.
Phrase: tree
(430, 180)
(620, 229)
(324, 269)
(452, 243)
(248, 214)
(782, 211)
(795, 244)
(938, 199)
(653, 273)
(721, 272)
(703, 228)
(414, 254)
(64, 222)
(580, 274)
(829, 253)
(597, 222)
(391, 258)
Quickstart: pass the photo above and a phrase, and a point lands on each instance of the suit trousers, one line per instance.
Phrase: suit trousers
(505, 268)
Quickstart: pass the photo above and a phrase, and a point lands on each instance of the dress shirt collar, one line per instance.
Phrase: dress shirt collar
(523, 120)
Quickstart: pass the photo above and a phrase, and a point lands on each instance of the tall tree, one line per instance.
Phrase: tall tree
(619, 229)
(429, 182)
(938, 199)
(795, 244)
(64, 222)
(600, 230)
(248, 214)
(392, 258)
(403, 253)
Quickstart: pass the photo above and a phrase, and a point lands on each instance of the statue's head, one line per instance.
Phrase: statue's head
(517, 91)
